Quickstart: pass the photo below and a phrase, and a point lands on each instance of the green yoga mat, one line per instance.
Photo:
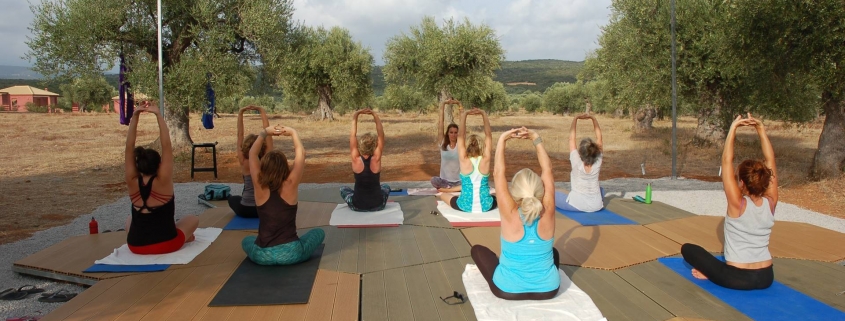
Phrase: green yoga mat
(254, 284)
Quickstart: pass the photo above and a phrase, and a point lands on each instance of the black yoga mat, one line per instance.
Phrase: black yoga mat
(254, 284)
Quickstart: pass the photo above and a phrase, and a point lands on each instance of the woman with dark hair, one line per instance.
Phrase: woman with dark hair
(149, 176)
(586, 159)
(450, 168)
(474, 157)
(276, 197)
(369, 194)
(244, 205)
(527, 269)
(752, 195)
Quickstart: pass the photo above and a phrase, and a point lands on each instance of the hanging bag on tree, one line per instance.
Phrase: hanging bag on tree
(208, 113)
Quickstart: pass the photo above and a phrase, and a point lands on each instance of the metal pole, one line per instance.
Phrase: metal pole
(160, 78)
(674, 102)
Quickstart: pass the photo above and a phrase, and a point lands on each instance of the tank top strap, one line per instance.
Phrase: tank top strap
(366, 162)
(145, 190)
(529, 229)
(475, 161)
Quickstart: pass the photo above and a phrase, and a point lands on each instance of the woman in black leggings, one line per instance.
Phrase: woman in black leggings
(752, 196)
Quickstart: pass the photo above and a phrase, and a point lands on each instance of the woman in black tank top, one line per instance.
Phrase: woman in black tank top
(276, 192)
(368, 194)
(149, 176)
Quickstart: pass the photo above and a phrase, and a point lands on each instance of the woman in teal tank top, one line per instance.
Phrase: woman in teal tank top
(474, 161)
(527, 268)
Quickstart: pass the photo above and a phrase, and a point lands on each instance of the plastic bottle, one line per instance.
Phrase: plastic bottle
(93, 227)
(648, 194)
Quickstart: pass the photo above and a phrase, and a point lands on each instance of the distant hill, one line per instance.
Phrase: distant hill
(517, 76)
(15, 72)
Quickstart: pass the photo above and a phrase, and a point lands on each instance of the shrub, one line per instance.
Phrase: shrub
(33, 108)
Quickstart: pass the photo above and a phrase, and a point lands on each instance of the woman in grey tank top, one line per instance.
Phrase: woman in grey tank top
(244, 205)
(752, 195)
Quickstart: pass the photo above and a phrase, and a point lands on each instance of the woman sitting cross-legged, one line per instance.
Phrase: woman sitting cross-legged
(752, 196)
(276, 192)
(475, 169)
(450, 168)
(244, 205)
(369, 194)
(527, 269)
(586, 160)
(151, 228)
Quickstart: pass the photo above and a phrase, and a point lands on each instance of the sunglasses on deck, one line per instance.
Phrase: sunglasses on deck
(456, 297)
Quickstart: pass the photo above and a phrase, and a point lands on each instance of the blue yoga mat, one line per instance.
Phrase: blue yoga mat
(403, 192)
(778, 302)
(602, 217)
(96, 268)
(240, 223)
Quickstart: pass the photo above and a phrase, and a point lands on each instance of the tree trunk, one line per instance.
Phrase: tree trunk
(448, 117)
(589, 106)
(710, 128)
(177, 124)
(324, 110)
(829, 159)
(644, 117)
(619, 113)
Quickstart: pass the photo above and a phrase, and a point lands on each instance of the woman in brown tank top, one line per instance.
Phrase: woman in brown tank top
(276, 193)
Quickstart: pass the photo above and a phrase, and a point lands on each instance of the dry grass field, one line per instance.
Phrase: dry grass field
(56, 167)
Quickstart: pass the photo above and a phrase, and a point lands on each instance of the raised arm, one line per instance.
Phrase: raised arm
(380, 133)
(769, 155)
(353, 137)
(265, 122)
(597, 129)
(733, 193)
(165, 169)
(462, 137)
(240, 141)
(255, 163)
(299, 159)
(440, 120)
(507, 206)
(488, 136)
(130, 170)
(546, 176)
(572, 133)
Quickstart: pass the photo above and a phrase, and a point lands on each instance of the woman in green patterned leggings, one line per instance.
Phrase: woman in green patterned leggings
(276, 193)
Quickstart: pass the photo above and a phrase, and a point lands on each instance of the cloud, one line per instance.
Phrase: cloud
(14, 20)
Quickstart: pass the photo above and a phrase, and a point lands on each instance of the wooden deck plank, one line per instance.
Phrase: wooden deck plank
(314, 214)
(116, 293)
(454, 269)
(349, 256)
(616, 299)
(201, 293)
(442, 243)
(705, 231)
(646, 213)
(819, 280)
(323, 195)
(269, 312)
(376, 240)
(805, 241)
(81, 300)
(333, 250)
(425, 244)
(459, 242)
(216, 217)
(440, 287)
(422, 300)
(398, 298)
(677, 295)
(373, 297)
(347, 299)
(132, 296)
(392, 248)
(190, 287)
(409, 246)
(321, 302)
(156, 294)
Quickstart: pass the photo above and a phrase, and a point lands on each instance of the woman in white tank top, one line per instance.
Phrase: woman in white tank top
(450, 167)
(752, 195)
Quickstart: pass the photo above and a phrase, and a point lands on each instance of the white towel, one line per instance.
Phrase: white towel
(204, 237)
(390, 215)
(456, 216)
(570, 303)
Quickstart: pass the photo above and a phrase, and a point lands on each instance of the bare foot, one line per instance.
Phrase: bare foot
(696, 274)
(190, 239)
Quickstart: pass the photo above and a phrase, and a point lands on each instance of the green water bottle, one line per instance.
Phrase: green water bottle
(648, 194)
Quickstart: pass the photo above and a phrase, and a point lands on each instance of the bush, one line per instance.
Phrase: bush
(33, 108)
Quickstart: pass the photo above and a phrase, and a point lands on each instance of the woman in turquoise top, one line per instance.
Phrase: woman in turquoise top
(475, 169)
(527, 269)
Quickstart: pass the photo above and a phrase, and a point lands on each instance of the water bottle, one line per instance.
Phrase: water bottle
(648, 194)
(93, 227)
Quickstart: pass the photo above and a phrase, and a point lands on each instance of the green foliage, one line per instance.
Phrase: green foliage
(327, 65)
(457, 57)
(564, 98)
(90, 92)
(231, 105)
(543, 73)
(33, 108)
(491, 97)
(532, 102)
(404, 98)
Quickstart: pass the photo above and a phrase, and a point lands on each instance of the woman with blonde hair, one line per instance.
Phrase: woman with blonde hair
(450, 167)
(151, 228)
(527, 268)
(276, 197)
(752, 197)
(244, 205)
(369, 194)
(586, 160)
(474, 157)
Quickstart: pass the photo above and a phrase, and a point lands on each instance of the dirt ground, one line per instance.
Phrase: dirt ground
(56, 167)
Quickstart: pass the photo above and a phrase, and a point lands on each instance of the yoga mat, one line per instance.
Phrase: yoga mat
(403, 192)
(778, 302)
(253, 284)
(241, 223)
(96, 268)
(602, 217)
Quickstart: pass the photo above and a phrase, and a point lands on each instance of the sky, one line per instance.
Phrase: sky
(527, 29)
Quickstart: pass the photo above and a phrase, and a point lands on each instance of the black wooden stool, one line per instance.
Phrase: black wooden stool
(213, 157)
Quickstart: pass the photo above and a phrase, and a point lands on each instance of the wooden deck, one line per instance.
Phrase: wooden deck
(399, 273)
